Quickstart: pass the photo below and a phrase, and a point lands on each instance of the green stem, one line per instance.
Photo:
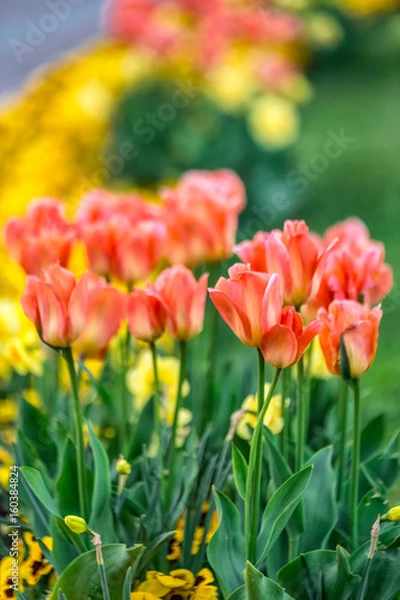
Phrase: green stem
(355, 465)
(284, 437)
(125, 407)
(78, 423)
(158, 425)
(365, 580)
(301, 417)
(293, 547)
(343, 439)
(252, 502)
(178, 406)
(103, 579)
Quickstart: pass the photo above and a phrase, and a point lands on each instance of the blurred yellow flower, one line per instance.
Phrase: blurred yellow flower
(315, 361)
(273, 418)
(230, 86)
(8, 411)
(368, 7)
(324, 30)
(140, 382)
(273, 121)
(6, 460)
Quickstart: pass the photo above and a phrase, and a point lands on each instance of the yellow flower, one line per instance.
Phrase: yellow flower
(179, 583)
(273, 121)
(32, 397)
(6, 460)
(273, 418)
(36, 566)
(392, 515)
(324, 30)
(143, 596)
(76, 524)
(318, 368)
(140, 382)
(8, 411)
(230, 86)
(10, 575)
(368, 7)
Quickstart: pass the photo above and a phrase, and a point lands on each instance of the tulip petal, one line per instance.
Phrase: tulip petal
(279, 347)
(358, 342)
(196, 313)
(234, 316)
(272, 303)
(53, 316)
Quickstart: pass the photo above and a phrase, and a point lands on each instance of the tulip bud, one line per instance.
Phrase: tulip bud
(122, 466)
(76, 524)
(392, 515)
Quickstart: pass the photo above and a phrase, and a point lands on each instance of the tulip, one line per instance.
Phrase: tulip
(184, 301)
(146, 315)
(40, 239)
(202, 216)
(353, 270)
(293, 253)
(251, 304)
(85, 314)
(353, 325)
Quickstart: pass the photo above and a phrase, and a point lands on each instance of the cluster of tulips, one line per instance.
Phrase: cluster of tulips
(290, 287)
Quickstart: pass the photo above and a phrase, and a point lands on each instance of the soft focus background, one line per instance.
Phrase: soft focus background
(353, 69)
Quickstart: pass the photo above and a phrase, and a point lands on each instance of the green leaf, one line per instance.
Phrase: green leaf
(35, 481)
(321, 511)
(127, 585)
(239, 594)
(279, 510)
(280, 472)
(153, 547)
(372, 504)
(81, 580)
(63, 551)
(67, 498)
(240, 469)
(61, 595)
(260, 587)
(226, 550)
(101, 516)
(320, 574)
(372, 437)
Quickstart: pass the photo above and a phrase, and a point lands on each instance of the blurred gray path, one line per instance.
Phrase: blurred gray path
(36, 32)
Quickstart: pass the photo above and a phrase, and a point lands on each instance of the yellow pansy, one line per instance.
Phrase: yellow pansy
(273, 418)
(10, 576)
(273, 121)
(36, 566)
(143, 596)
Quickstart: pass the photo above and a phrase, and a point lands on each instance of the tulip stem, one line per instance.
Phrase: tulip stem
(78, 422)
(355, 464)
(253, 481)
(343, 439)
(158, 425)
(301, 416)
(284, 437)
(178, 406)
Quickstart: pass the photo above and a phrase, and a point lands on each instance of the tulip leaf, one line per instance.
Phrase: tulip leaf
(101, 517)
(240, 469)
(320, 574)
(81, 580)
(68, 499)
(226, 550)
(36, 482)
(258, 586)
(321, 511)
(127, 585)
(279, 510)
(372, 437)
(372, 504)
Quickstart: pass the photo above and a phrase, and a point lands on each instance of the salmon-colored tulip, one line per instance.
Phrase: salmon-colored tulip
(123, 235)
(357, 327)
(293, 253)
(184, 300)
(251, 304)
(40, 239)
(354, 269)
(85, 314)
(147, 316)
(201, 214)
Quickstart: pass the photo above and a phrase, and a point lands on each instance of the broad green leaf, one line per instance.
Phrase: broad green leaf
(63, 550)
(321, 511)
(372, 437)
(67, 498)
(260, 587)
(226, 550)
(81, 581)
(320, 574)
(280, 472)
(35, 481)
(279, 510)
(153, 547)
(372, 504)
(239, 594)
(101, 516)
(240, 469)
(36, 426)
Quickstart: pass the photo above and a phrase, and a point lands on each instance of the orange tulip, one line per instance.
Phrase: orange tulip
(40, 239)
(123, 235)
(353, 270)
(85, 314)
(146, 315)
(293, 253)
(184, 300)
(251, 304)
(201, 214)
(357, 327)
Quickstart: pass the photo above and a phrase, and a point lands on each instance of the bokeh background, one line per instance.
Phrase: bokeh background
(343, 159)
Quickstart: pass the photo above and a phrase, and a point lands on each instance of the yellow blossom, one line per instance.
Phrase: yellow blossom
(76, 524)
(273, 418)
(6, 460)
(8, 411)
(36, 566)
(324, 30)
(273, 121)
(317, 366)
(392, 515)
